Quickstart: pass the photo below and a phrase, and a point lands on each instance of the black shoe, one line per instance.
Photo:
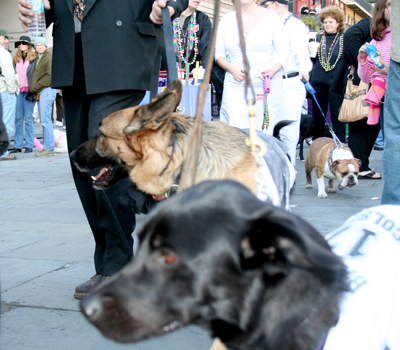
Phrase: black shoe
(28, 150)
(16, 150)
(85, 288)
(376, 148)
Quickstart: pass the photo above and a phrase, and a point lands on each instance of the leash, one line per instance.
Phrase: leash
(312, 92)
(188, 175)
(165, 43)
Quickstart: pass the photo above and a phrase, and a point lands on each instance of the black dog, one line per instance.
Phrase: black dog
(256, 276)
(306, 131)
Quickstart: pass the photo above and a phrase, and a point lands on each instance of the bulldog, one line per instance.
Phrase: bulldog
(333, 163)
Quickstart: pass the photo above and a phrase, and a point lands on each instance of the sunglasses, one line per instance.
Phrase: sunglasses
(23, 43)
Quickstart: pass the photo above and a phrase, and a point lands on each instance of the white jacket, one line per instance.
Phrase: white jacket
(9, 79)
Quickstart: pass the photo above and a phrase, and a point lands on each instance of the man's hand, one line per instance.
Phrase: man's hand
(25, 12)
(155, 15)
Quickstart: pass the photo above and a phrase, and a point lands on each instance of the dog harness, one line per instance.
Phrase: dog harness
(330, 158)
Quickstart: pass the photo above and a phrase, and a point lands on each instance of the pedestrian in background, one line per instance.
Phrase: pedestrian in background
(328, 57)
(297, 67)
(267, 50)
(106, 58)
(371, 73)
(24, 61)
(41, 85)
(9, 86)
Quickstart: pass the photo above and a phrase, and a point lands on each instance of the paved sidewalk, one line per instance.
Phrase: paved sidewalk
(46, 249)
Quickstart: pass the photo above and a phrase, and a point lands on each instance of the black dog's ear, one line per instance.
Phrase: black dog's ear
(158, 109)
(278, 240)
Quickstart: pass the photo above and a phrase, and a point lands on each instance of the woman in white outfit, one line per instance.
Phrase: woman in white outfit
(267, 50)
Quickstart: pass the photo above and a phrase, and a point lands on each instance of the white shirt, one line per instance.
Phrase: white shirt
(266, 44)
(299, 59)
(369, 242)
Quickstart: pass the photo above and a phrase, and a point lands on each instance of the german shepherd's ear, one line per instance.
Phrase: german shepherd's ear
(277, 241)
(160, 108)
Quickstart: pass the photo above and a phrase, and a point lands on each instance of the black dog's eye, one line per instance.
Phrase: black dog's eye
(166, 257)
(344, 174)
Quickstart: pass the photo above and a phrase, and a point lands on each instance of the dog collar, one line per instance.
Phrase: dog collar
(173, 189)
(330, 158)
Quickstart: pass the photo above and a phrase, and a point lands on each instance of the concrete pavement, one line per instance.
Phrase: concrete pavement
(46, 249)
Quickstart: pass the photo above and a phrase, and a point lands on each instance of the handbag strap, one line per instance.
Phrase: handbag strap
(350, 76)
(165, 43)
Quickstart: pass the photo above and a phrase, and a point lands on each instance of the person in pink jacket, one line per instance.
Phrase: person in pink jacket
(368, 71)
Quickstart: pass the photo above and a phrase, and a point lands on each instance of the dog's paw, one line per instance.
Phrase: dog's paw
(331, 190)
(322, 195)
(340, 187)
(309, 186)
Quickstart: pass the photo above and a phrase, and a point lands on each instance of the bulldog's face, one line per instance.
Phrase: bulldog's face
(346, 171)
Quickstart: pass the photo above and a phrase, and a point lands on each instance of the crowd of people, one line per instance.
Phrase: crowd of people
(277, 45)
(27, 81)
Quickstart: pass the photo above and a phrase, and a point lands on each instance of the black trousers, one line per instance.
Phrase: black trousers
(334, 100)
(112, 224)
(362, 138)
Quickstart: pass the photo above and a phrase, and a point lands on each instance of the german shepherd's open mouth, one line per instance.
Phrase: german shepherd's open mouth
(87, 159)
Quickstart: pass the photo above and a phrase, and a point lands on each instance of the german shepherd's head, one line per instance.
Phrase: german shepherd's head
(136, 136)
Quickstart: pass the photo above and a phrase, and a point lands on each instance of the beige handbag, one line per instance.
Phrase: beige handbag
(354, 106)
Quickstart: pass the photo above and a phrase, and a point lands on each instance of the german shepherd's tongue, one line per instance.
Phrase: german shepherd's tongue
(101, 173)
(103, 177)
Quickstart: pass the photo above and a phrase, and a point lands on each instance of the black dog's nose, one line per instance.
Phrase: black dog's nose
(91, 307)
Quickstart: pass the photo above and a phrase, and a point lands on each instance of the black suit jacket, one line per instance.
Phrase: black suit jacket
(119, 46)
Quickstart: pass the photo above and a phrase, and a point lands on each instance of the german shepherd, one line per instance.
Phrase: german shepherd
(148, 144)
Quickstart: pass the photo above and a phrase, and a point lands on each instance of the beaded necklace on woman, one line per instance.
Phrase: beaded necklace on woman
(186, 44)
(325, 58)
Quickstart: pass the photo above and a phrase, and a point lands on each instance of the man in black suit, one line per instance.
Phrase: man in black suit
(104, 59)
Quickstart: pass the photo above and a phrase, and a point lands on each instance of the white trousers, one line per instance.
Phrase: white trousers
(294, 95)
(235, 111)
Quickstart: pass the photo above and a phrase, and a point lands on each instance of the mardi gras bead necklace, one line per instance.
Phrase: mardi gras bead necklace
(324, 58)
(289, 14)
(190, 42)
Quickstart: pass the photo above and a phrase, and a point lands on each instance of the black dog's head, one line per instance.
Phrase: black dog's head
(256, 276)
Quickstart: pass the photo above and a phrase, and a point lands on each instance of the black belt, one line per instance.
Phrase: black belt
(290, 75)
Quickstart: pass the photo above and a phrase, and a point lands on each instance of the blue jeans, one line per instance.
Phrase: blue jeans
(24, 111)
(391, 153)
(9, 102)
(47, 97)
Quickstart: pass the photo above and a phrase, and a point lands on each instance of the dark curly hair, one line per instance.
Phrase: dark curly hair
(335, 12)
(378, 23)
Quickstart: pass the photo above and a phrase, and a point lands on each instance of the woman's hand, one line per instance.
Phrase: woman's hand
(237, 73)
(362, 52)
(384, 69)
(278, 66)
(25, 12)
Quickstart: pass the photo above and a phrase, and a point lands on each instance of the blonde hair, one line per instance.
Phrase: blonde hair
(335, 12)
(30, 56)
